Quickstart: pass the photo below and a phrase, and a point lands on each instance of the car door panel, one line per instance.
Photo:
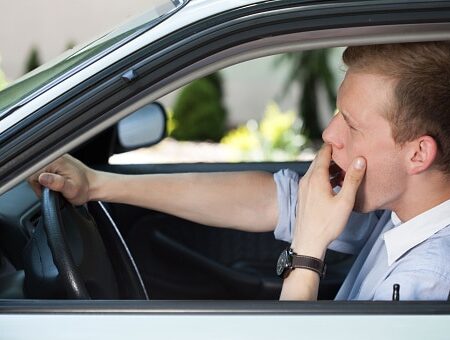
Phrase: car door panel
(224, 319)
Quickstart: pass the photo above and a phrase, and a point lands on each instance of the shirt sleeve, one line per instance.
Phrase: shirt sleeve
(352, 238)
(287, 187)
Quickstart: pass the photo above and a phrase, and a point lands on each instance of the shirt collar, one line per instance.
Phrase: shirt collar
(405, 236)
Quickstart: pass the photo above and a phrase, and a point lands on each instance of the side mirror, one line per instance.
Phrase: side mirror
(144, 127)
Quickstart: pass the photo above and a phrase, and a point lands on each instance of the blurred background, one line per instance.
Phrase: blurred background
(270, 109)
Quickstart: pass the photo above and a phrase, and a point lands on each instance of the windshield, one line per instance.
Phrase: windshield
(79, 57)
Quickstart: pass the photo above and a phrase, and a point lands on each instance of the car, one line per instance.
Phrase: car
(150, 274)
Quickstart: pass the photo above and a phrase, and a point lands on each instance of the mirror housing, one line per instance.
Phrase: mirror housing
(142, 128)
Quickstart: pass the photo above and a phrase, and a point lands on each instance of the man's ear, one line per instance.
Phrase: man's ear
(422, 153)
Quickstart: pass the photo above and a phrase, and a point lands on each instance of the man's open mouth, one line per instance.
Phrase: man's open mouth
(337, 175)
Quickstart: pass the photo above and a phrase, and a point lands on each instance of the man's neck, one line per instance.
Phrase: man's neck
(422, 195)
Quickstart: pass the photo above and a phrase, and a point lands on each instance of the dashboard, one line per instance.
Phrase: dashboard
(19, 215)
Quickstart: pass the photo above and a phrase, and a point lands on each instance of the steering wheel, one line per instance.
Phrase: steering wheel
(69, 274)
(67, 258)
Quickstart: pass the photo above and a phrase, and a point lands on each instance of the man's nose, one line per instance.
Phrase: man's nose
(331, 134)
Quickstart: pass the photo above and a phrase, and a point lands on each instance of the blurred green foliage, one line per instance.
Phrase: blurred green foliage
(3, 80)
(198, 112)
(33, 60)
(277, 137)
(170, 126)
(311, 70)
(71, 44)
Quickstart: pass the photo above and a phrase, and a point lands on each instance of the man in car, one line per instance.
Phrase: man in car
(386, 157)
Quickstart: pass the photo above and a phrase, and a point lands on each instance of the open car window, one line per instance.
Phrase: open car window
(249, 112)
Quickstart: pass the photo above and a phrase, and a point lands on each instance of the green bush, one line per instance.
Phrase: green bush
(276, 138)
(33, 61)
(3, 80)
(312, 71)
(198, 113)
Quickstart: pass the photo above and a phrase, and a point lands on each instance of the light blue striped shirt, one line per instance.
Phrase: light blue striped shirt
(414, 254)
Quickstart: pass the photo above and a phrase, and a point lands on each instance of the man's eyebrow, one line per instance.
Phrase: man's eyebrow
(347, 118)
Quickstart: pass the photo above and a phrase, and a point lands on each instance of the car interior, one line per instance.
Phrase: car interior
(119, 252)
(176, 258)
(116, 251)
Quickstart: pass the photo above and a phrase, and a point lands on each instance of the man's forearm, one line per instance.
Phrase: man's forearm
(240, 200)
(302, 284)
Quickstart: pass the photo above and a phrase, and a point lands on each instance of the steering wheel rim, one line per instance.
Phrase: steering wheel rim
(77, 252)
(68, 271)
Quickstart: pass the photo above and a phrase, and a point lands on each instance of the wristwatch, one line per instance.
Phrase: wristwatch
(289, 260)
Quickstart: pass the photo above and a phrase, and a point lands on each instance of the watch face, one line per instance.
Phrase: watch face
(283, 262)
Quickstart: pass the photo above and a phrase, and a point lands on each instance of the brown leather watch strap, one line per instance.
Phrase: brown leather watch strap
(308, 262)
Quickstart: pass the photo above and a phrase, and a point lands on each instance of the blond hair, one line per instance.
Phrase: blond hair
(421, 104)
